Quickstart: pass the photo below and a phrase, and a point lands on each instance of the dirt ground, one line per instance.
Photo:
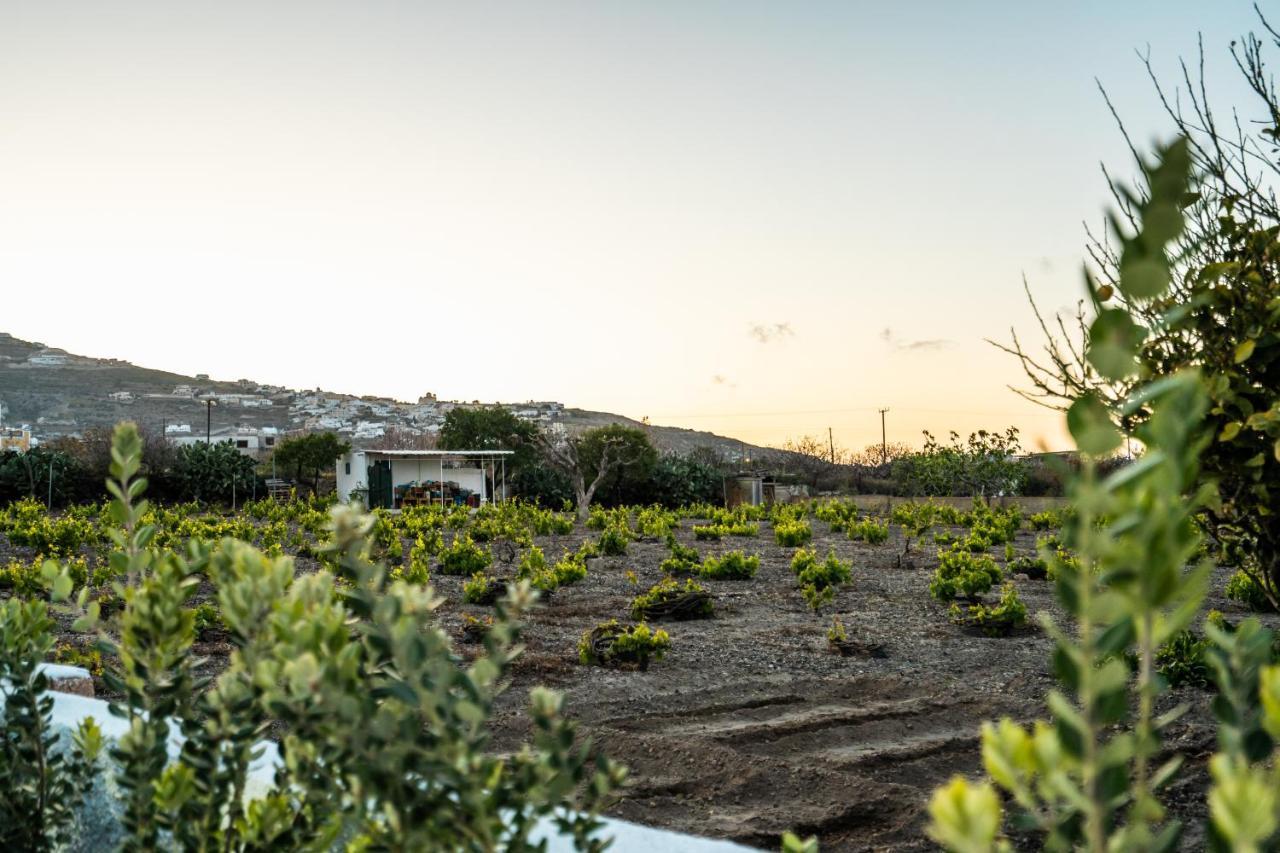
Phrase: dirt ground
(750, 726)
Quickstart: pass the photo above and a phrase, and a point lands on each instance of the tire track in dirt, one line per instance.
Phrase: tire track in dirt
(845, 760)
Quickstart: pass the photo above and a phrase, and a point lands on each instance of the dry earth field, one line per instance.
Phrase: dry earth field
(750, 726)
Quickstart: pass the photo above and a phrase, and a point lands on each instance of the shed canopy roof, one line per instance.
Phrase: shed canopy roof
(371, 451)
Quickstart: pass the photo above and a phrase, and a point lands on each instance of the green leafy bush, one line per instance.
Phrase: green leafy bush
(870, 531)
(44, 780)
(325, 655)
(570, 569)
(464, 558)
(1029, 565)
(617, 645)
(1047, 520)
(683, 559)
(792, 534)
(668, 599)
(483, 589)
(963, 574)
(713, 532)
(206, 618)
(731, 566)
(1246, 590)
(998, 620)
(613, 541)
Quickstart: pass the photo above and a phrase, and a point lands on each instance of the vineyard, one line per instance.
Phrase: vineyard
(811, 667)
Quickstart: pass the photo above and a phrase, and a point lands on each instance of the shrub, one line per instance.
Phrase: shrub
(613, 541)
(45, 781)
(963, 574)
(613, 644)
(1031, 566)
(73, 654)
(22, 578)
(325, 660)
(464, 557)
(206, 617)
(1244, 589)
(570, 569)
(475, 629)
(1184, 661)
(731, 566)
(483, 589)
(791, 534)
(712, 532)
(996, 621)
(1047, 520)
(655, 522)
(683, 559)
(671, 600)
(869, 531)
(817, 597)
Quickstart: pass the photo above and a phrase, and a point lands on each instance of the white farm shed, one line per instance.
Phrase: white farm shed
(394, 479)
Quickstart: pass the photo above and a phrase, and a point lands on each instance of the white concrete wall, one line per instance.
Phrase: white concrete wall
(351, 474)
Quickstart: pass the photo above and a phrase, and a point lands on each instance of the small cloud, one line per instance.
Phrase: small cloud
(894, 341)
(766, 332)
(932, 343)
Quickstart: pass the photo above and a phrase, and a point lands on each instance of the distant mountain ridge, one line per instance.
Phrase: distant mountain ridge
(61, 393)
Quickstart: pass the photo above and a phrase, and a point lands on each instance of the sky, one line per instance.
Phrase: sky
(761, 219)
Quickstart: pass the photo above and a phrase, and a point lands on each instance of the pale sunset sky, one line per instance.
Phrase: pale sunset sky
(762, 219)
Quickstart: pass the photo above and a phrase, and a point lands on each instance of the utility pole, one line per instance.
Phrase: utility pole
(208, 421)
(51, 484)
(831, 443)
(884, 445)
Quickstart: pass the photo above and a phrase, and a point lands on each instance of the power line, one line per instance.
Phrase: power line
(1036, 411)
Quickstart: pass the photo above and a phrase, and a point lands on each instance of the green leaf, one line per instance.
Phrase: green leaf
(1244, 350)
(1143, 276)
(1113, 340)
(1091, 427)
(1230, 431)
(1161, 223)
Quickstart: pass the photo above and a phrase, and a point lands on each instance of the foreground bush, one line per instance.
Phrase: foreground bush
(1088, 778)
(386, 744)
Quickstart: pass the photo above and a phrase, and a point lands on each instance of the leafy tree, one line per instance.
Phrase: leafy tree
(587, 460)
(627, 481)
(1219, 311)
(213, 472)
(490, 428)
(1088, 779)
(311, 454)
(985, 464)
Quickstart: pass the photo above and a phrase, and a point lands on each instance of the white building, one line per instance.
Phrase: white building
(393, 479)
(47, 360)
(247, 440)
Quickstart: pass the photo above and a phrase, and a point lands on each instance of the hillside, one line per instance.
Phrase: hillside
(62, 393)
